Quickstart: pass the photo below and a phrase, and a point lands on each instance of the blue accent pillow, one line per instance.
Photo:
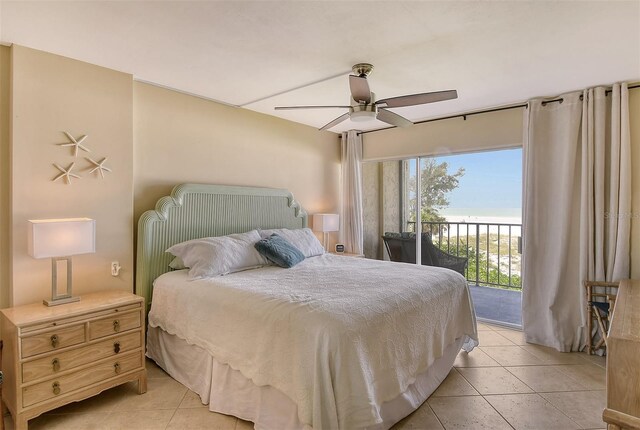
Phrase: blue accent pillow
(280, 252)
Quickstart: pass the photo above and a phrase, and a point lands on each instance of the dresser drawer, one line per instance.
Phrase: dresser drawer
(52, 340)
(114, 324)
(53, 364)
(65, 384)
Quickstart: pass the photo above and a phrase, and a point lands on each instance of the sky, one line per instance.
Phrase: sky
(492, 182)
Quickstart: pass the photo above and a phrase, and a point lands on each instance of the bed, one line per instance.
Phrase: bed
(333, 343)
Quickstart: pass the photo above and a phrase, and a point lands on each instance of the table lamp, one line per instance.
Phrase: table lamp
(59, 239)
(326, 223)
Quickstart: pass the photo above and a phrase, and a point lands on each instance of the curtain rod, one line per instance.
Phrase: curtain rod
(607, 92)
(465, 115)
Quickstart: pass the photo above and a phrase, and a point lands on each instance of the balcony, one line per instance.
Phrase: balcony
(493, 252)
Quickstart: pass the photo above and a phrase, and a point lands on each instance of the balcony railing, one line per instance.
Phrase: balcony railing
(493, 250)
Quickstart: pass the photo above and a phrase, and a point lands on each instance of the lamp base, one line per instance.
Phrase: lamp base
(61, 300)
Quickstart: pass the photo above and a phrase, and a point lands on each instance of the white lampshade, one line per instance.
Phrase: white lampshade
(61, 237)
(326, 222)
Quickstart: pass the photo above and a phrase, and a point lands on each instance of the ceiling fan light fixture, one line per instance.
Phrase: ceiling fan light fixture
(362, 116)
(364, 107)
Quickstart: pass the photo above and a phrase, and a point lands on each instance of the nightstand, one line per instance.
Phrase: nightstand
(348, 254)
(63, 354)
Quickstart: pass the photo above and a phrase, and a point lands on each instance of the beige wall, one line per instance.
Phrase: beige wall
(181, 138)
(391, 179)
(495, 130)
(381, 204)
(5, 175)
(52, 94)
(371, 208)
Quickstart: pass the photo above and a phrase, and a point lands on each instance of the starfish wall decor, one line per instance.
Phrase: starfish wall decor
(99, 166)
(75, 143)
(66, 173)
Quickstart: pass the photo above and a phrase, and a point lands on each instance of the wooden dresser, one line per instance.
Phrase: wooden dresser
(62, 354)
(623, 360)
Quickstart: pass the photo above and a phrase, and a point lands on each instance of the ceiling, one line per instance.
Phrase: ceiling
(262, 54)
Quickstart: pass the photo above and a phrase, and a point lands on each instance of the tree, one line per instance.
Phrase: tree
(436, 184)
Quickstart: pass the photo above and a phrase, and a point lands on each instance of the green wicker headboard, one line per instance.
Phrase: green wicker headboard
(197, 210)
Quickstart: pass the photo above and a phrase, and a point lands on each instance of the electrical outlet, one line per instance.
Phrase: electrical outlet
(115, 268)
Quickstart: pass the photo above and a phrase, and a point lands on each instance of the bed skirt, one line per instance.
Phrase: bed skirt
(227, 391)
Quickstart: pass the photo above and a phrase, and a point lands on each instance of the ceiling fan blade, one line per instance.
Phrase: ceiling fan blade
(360, 91)
(393, 118)
(311, 107)
(336, 121)
(418, 99)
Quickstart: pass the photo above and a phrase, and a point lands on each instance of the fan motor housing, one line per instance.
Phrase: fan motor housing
(363, 112)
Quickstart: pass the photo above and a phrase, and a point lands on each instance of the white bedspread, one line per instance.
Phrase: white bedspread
(338, 335)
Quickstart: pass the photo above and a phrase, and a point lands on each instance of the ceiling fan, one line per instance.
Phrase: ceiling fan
(364, 106)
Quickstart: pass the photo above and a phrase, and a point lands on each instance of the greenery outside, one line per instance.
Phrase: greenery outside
(485, 264)
(435, 185)
(489, 271)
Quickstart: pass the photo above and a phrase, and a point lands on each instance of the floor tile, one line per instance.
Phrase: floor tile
(511, 355)
(591, 376)
(470, 412)
(483, 327)
(455, 385)
(492, 338)
(191, 400)
(530, 411)
(475, 358)
(155, 371)
(89, 421)
(494, 380)
(515, 336)
(162, 393)
(583, 407)
(422, 419)
(147, 420)
(595, 359)
(201, 418)
(545, 378)
(553, 356)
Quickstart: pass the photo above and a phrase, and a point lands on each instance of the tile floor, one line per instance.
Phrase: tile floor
(503, 384)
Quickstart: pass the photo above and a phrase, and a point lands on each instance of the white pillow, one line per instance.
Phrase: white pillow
(213, 256)
(301, 238)
(177, 264)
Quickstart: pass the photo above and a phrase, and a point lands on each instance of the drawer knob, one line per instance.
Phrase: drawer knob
(54, 340)
(116, 347)
(116, 325)
(56, 388)
(116, 367)
(55, 363)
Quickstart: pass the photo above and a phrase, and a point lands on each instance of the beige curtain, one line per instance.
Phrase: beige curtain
(351, 219)
(606, 169)
(576, 209)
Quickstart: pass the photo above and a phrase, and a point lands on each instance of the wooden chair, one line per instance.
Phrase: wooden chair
(601, 297)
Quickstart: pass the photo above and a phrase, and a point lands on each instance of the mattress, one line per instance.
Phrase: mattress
(339, 336)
